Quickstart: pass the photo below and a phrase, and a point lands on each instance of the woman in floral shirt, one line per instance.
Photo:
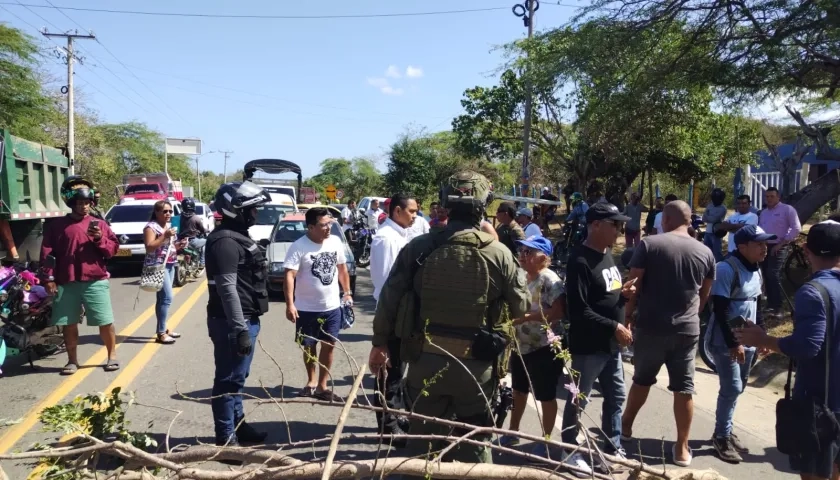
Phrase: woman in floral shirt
(534, 365)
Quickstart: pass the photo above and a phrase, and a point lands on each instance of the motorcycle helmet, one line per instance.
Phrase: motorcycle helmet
(348, 317)
(577, 197)
(188, 207)
(236, 200)
(718, 196)
(77, 187)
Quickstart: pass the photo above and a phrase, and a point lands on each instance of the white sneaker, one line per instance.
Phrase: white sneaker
(605, 466)
(577, 460)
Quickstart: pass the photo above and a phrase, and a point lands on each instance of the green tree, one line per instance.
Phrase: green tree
(24, 107)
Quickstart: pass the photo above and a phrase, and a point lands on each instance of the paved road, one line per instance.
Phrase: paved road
(158, 372)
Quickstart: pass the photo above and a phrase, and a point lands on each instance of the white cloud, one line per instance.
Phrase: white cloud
(384, 86)
(413, 72)
(393, 71)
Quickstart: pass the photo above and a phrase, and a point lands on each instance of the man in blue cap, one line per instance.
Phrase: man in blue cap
(736, 294)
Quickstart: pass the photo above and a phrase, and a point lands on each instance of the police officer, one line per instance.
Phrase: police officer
(236, 273)
(446, 297)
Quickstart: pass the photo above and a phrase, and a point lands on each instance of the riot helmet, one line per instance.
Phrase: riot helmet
(236, 200)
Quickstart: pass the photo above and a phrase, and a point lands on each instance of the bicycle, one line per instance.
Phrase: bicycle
(796, 267)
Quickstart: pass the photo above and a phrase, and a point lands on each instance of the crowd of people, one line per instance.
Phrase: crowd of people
(450, 287)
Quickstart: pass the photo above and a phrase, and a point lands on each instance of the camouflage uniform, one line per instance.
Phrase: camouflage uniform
(509, 234)
(435, 309)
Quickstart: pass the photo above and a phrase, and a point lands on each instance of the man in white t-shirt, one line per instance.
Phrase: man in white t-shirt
(372, 214)
(318, 262)
(657, 222)
(742, 216)
(348, 216)
(523, 218)
(419, 227)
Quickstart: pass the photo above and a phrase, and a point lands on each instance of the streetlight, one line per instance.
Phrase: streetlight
(525, 10)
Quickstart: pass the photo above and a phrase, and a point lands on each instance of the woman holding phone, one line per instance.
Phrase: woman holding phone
(159, 238)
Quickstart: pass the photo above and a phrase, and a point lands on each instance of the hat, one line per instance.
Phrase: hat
(537, 243)
(824, 239)
(752, 233)
(525, 211)
(546, 189)
(605, 211)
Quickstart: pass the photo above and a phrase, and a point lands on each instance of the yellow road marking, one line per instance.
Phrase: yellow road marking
(16, 432)
(136, 365)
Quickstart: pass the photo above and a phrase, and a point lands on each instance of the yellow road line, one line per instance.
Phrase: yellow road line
(16, 432)
(136, 365)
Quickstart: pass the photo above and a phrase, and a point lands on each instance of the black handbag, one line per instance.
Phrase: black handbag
(803, 425)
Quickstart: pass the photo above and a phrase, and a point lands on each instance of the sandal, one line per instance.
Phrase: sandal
(327, 396)
(70, 369)
(165, 339)
(307, 391)
(173, 334)
(112, 366)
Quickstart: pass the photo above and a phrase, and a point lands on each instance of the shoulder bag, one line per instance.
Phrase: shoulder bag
(153, 276)
(804, 425)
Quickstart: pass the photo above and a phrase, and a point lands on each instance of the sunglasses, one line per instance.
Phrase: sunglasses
(166, 212)
(526, 252)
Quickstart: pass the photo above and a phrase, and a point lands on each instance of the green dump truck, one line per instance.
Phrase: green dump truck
(31, 175)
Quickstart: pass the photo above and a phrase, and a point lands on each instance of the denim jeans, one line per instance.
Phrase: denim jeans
(733, 380)
(609, 371)
(198, 244)
(771, 270)
(164, 298)
(715, 244)
(231, 372)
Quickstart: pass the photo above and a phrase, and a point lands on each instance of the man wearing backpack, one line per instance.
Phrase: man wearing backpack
(814, 345)
(452, 294)
(735, 297)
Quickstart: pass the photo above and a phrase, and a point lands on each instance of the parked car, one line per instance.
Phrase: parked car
(203, 210)
(303, 207)
(364, 203)
(268, 214)
(289, 229)
(127, 221)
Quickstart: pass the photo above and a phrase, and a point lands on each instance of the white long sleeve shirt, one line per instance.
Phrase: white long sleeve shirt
(386, 245)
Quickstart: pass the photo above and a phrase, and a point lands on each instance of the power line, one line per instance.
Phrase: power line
(282, 17)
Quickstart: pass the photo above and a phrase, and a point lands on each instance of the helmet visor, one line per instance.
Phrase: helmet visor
(251, 195)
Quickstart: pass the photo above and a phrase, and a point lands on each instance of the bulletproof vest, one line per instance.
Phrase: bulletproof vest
(253, 270)
(454, 285)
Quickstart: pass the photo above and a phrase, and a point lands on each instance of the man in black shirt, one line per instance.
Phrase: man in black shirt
(236, 271)
(595, 299)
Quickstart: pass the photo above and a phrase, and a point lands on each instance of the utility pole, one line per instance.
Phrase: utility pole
(71, 127)
(227, 154)
(526, 11)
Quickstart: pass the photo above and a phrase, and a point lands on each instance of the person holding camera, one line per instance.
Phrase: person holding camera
(81, 246)
(736, 294)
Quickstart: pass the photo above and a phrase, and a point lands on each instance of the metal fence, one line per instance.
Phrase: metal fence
(760, 182)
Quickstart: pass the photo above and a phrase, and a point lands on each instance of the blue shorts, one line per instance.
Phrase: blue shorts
(322, 326)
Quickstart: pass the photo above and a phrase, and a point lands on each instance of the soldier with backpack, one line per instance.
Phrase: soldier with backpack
(450, 299)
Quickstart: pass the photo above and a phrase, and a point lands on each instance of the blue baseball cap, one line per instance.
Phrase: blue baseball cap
(537, 243)
(752, 233)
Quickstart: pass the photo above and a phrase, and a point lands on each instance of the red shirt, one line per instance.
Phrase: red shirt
(78, 258)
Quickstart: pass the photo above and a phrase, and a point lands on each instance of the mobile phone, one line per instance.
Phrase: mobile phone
(93, 224)
(738, 322)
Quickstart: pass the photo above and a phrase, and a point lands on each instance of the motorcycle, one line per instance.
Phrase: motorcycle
(571, 236)
(188, 266)
(26, 311)
(360, 237)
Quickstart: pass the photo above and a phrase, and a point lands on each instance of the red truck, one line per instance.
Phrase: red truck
(149, 186)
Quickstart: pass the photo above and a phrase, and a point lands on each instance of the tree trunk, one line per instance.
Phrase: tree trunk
(811, 198)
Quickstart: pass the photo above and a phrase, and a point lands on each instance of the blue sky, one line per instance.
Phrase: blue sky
(299, 89)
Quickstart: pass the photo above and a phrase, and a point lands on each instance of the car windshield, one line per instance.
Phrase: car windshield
(269, 214)
(143, 188)
(289, 231)
(129, 213)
